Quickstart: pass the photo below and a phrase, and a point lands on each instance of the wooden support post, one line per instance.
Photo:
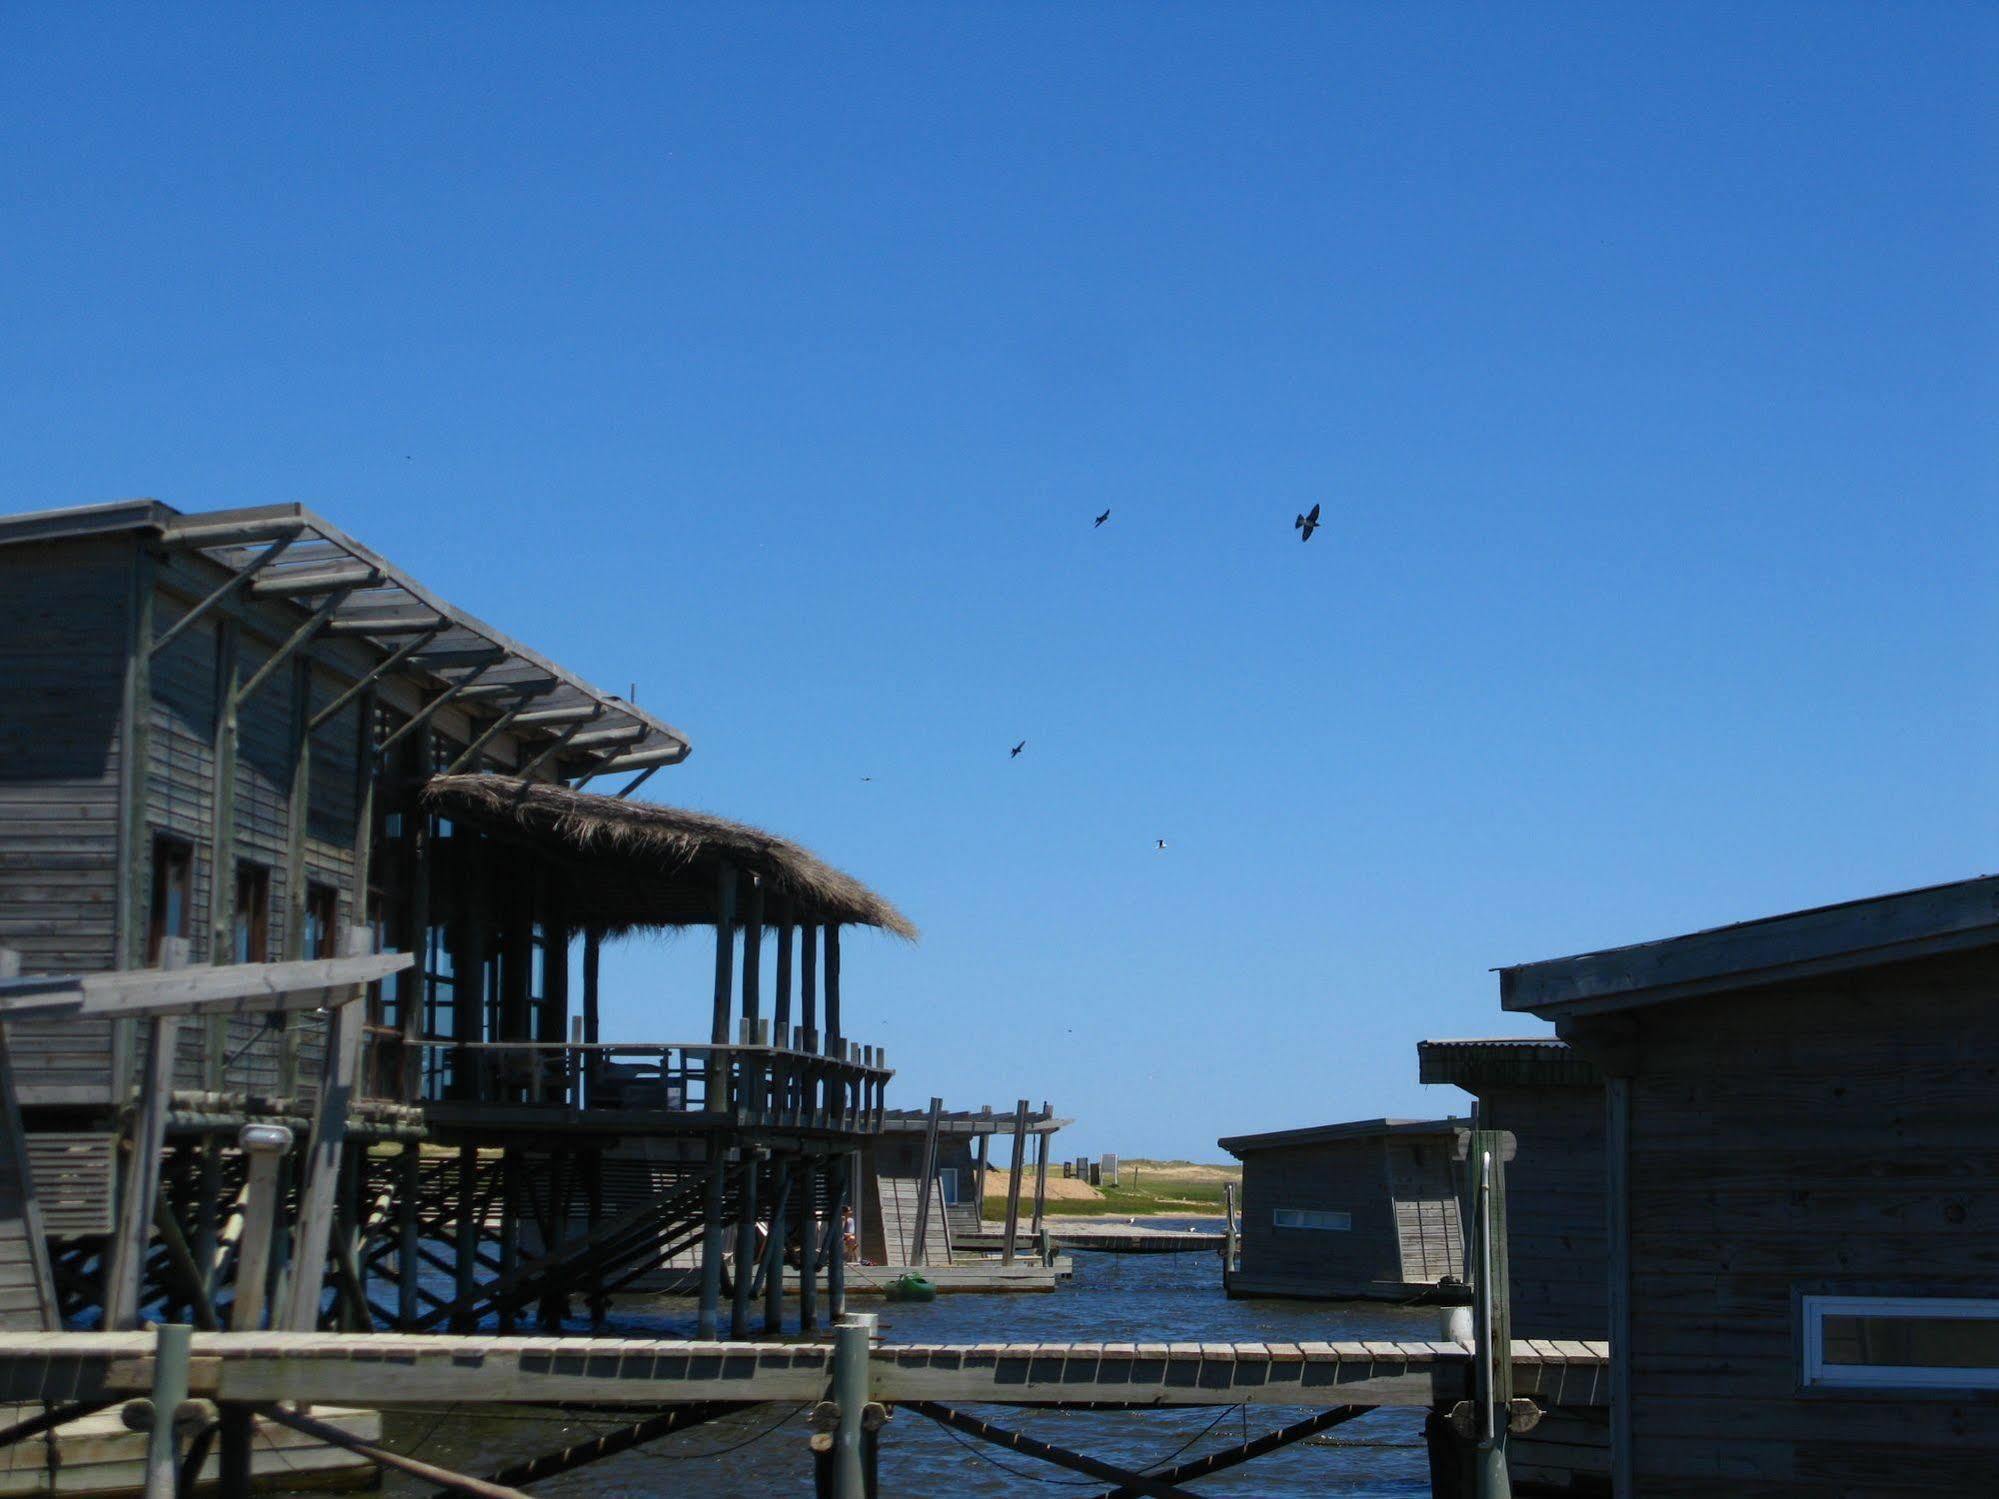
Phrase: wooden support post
(134, 895)
(593, 938)
(1229, 1239)
(835, 1238)
(170, 1370)
(708, 1317)
(835, 1037)
(222, 842)
(466, 1255)
(324, 1150)
(808, 987)
(14, 1144)
(1492, 1320)
(746, 1249)
(719, 1031)
(853, 1439)
(780, 1001)
(510, 1235)
(979, 1192)
(415, 984)
(1013, 1179)
(1617, 1202)
(409, 1257)
(141, 1177)
(773, 1268)
(1041, 1171)
(753, 943)
(808, 1245)
(920, 1236)
(599, 1302)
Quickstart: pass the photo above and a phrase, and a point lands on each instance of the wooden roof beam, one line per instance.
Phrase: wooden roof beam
(298, 638)
(597, 738)
(459, 655)
(199, 534)
(576, 713)
(551, 750)
(375, 674)
(228, 589)
(388, 624)
(330, 580)
(671, 754)
(424, 714)
(525, 687)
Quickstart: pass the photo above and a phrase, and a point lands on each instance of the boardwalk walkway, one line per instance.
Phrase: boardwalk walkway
(387, 1369)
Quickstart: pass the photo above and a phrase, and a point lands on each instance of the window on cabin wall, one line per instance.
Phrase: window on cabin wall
(1311, 1218)
(173, 894)
(1900, 1342)
(250, 933)
(322, 920)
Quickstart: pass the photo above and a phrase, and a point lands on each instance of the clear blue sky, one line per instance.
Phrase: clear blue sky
(778, 359)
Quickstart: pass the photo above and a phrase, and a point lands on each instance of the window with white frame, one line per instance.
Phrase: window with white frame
(1901, 1342)
(1310, 1218)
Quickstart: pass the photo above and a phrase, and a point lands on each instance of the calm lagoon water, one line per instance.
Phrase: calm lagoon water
(1114, 1298)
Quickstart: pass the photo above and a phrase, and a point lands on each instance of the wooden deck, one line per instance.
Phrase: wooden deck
(98, 1456)
(387, 1369)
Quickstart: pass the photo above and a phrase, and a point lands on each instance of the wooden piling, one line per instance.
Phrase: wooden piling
(170, 1369)
(708, 1316)
(850, 1394)
(808, 1245)
(919, 1239)
(1013, 1179)
(1041, 1171)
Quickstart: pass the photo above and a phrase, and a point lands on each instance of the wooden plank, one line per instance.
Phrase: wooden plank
(340, 1070)
(232, 989)
(142, 1170)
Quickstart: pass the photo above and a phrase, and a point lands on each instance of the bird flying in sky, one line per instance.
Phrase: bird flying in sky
(1307, 523)
(1102, 518)
(1015, 754)
(1162, 845)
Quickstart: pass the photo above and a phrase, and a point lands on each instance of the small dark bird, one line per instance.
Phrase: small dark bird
(867, 778)
(1162, 845)
(1015, 754)
(1102, 518)
(1307, 523)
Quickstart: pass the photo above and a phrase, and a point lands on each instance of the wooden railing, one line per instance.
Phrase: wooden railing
(780, 1086)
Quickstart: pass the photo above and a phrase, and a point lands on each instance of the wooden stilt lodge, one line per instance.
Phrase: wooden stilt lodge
(1801, 1125)
(246, 732)
(1362, 1211)
(1549, 1098)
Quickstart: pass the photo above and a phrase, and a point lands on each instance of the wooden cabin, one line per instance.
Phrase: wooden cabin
(1802, 1167)
(892, 1174)
(1549, 1097)
(246, 731)
(1361, 1211)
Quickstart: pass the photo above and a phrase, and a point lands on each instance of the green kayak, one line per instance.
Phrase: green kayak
(910, 1287)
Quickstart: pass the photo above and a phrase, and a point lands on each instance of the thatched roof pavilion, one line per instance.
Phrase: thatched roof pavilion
(634, 864)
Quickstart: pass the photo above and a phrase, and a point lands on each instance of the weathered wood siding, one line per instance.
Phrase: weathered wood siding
(1832, 1134)
(1555, 1212)
(1428, 1222)
(1344, 1176)
(64, 619)
(63, 623)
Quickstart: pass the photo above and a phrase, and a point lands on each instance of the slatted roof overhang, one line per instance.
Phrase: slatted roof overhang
(1358, 1129)
(1843, 938)
(289, 553)
(1510, 1061)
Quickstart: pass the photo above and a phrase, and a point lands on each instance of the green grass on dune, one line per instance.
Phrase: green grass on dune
(1142, 1201)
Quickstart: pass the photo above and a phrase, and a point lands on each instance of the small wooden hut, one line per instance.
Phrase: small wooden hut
(891, 1176)
(1361, 1211)
(1802, 1167)
(1549, 1097)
